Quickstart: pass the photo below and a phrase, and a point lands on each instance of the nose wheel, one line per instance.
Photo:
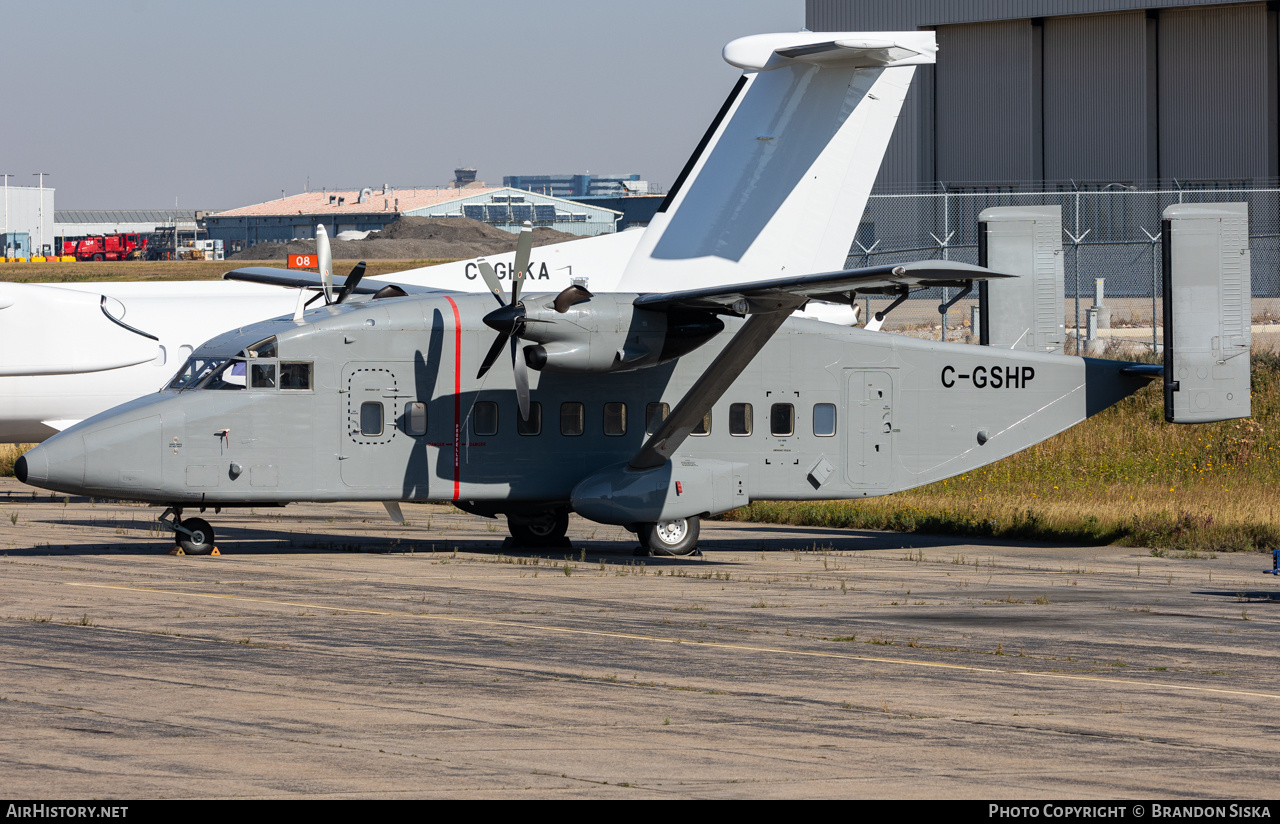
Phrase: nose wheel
(193, 535)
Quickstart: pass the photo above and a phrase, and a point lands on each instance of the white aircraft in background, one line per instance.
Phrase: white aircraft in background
(776, 188)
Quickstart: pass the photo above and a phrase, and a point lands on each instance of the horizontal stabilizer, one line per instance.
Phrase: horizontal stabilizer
(765, 52)
(296, 278)
(833, 287)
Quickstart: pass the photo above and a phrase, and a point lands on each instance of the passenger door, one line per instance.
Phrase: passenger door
(871, 422)
(374, 451)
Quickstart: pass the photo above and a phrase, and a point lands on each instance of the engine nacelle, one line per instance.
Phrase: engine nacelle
(606, 333)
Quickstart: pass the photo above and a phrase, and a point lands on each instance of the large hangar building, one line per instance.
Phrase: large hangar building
(1111, 110)
(1100, 91)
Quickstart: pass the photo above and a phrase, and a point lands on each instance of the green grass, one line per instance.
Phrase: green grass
(1122, 477)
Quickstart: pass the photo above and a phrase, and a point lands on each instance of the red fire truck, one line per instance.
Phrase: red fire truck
(107, 247)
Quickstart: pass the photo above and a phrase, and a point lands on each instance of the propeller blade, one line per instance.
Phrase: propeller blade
(313, 299)
(353, 280)
(571, 296)
(492, 354)
(326, 262)
(524, 246)
(522, 378)
(491, 280)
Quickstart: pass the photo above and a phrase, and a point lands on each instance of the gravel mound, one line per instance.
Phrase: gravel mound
(413, 238)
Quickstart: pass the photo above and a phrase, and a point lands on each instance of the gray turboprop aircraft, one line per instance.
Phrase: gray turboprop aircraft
(658, 404)
(395, 398)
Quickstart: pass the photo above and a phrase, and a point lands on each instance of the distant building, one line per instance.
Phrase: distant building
(365, 210)
(583, 185)
(71, 224)
(27, 210)
(636, 210)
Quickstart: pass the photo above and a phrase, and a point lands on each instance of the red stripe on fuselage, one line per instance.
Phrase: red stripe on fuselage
(457, 399)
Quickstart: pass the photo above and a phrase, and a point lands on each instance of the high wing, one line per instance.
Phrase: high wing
(296, 278)
(768, 304)
(834, 287)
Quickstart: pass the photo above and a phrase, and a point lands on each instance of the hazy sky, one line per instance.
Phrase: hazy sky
(132, 104)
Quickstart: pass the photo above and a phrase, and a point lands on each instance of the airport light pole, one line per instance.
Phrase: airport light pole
(40, 211)
(6, 214)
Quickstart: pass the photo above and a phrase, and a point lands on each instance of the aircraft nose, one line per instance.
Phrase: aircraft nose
(34, 465)
(57, 464)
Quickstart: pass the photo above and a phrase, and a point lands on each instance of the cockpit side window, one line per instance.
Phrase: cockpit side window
(295, 375)
(262, 375)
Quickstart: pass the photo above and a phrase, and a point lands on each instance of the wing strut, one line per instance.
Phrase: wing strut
(723, 371)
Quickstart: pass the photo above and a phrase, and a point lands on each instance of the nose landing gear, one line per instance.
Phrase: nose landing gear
(194, 536)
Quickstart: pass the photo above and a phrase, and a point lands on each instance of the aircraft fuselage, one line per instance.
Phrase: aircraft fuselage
(390, 409)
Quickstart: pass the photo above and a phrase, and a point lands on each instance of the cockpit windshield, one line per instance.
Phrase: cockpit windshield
(209, 373)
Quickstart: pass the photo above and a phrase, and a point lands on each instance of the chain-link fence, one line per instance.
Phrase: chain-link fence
(1111, 233)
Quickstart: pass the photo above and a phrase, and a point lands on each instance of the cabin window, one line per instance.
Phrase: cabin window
(824, 419)
(782, 420)
(571, 418)
(262, 375)
(484, 418)
(740, 420)
(295, 375)
(371, 418)
(533, 426)
(703, 428)
(654, 415)
(415, 418)
(615, 419)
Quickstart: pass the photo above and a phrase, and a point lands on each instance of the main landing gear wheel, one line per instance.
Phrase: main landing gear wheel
(674, 537)
(200, 541)
(545, 530)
